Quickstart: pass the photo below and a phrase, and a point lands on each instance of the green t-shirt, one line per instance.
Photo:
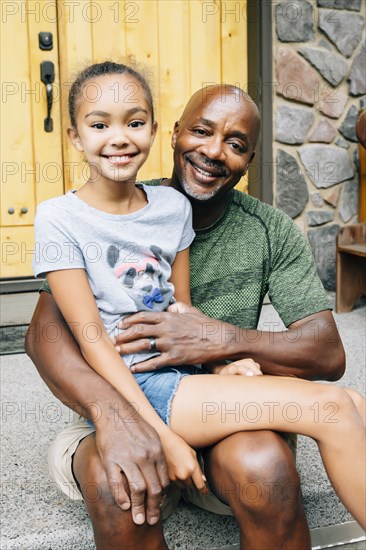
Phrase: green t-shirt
(253, 249)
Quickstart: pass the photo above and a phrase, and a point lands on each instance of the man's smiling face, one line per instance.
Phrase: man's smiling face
(214, 141)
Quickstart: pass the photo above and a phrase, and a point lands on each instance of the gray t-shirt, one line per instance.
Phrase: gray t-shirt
(127, 258)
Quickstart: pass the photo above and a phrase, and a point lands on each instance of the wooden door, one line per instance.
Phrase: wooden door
(32, 168)
(182, 45)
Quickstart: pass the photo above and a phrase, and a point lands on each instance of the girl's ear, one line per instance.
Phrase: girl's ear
(174, 136)
(74, 138)
(154, 130)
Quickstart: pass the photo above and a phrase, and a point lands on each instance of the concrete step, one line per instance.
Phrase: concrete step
(35, 516)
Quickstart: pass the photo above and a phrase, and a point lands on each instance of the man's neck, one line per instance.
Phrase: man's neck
(205, 213)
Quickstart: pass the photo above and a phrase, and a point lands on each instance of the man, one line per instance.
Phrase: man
(243, 248)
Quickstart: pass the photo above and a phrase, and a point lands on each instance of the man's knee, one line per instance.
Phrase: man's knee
(261, 472)
(91, 478)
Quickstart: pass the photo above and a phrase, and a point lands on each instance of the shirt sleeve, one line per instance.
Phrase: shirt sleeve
(55, 246)
(188, 234)
(295, 289)
(45, 287)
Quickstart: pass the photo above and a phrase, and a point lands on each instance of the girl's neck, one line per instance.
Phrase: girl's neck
(113, 198)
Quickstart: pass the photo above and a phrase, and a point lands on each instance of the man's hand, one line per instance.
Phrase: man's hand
(311, 348)
(130, 449)
(132, 455)
(183, 337)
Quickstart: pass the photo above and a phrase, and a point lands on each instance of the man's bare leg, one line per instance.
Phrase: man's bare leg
(255, 474)
(113, 527)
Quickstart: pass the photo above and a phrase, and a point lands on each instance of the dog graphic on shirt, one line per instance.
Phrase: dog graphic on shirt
(142, 279)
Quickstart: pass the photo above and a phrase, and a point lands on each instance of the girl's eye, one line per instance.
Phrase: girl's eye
(99, 125)
(137, 123)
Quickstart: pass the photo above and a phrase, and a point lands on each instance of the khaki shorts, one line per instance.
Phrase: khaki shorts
(64, 446)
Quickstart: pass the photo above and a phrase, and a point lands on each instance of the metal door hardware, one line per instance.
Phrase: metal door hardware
(48, 77)
(45, 40)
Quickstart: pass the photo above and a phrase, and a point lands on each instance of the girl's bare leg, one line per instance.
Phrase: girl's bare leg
(207, 408)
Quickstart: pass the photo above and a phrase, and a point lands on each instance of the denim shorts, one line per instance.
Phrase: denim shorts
(160, 387)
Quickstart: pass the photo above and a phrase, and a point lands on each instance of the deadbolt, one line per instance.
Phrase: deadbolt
(45, 40)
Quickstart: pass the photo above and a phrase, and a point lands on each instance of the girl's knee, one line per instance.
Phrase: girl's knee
(358, 399)
(338, 410)
(330, 394)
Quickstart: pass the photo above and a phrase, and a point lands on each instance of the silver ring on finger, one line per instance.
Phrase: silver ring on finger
(153, 347)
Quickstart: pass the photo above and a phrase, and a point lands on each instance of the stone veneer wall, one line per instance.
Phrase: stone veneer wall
(319, 56)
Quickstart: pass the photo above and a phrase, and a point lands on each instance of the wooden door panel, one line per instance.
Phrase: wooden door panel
(18, 163)
(32, 169)
(142, 44)
(17, 246)
(75, 43)
(234, 53)
(46, 145)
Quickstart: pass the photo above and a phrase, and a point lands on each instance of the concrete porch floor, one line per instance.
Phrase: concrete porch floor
(35, 516)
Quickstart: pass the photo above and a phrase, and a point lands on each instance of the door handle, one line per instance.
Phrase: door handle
(48, 77)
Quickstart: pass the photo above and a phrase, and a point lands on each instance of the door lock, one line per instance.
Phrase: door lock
(45, 40)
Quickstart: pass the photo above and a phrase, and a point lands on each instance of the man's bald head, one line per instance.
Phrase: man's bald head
(223, 92)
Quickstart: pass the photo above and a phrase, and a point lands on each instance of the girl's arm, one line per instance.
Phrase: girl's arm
(180, 277)
(73, 295)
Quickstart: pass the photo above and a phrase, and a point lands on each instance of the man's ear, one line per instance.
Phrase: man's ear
(74, 138)
(251, 158)
(174, 136)
(249, 163)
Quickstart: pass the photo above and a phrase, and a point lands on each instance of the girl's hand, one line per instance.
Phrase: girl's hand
(179, 307)
(244, 367)
(183, 467)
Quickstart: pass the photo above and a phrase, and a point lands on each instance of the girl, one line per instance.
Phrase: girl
(115, 247)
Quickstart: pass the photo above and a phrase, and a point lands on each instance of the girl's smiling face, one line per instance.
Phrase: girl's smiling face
(114, 127)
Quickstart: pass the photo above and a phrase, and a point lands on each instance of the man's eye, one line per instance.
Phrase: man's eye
(137, 123)
(200, 131)
(237, 147)
(99, 125)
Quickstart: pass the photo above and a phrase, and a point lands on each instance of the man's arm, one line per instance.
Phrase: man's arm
(311, 348)
(69, 377)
